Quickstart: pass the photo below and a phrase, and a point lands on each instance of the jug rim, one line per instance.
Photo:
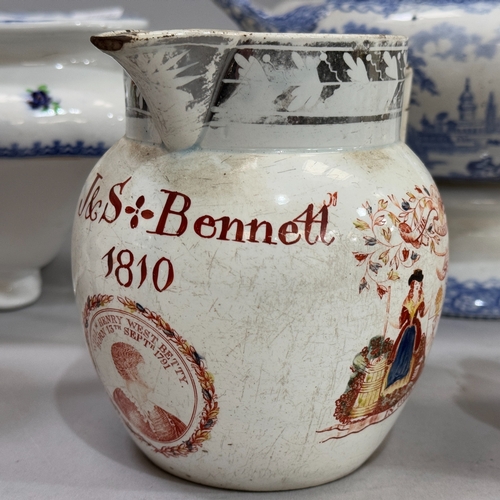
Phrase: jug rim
(243, 84)
(112, 41)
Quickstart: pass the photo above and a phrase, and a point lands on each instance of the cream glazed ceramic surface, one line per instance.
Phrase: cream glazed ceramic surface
(62, 105)
(260, 262)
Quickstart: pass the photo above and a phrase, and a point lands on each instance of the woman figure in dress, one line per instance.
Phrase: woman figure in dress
(401, 358)
(134, 403)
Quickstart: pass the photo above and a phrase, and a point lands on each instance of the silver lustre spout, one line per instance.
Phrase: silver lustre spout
(177, 72)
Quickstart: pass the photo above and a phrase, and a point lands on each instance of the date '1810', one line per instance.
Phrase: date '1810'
(127, 269)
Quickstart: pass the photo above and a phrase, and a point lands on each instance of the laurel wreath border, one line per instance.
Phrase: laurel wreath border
(205, 378)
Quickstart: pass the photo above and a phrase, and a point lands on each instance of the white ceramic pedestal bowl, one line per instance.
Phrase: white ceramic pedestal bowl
(62, 105)
(37, 200)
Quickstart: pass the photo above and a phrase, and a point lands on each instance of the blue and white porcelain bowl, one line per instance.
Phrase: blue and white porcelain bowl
(454, 116)
(62, 105)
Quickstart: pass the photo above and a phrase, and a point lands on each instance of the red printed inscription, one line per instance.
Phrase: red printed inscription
(312, 226)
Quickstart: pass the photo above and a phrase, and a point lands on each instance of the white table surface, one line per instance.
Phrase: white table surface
(60, 437)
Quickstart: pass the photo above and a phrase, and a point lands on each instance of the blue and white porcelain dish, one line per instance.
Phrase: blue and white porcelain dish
(454, 122)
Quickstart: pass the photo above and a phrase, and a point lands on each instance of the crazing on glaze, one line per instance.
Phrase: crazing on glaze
(173, 219)
(454, 123)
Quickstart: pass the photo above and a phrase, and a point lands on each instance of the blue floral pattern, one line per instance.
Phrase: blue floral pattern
(41, 99)
(57, 148)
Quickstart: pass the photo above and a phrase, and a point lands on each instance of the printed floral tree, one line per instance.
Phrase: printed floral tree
(393, 233)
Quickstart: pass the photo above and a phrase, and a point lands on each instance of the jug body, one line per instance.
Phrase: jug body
(259, 314)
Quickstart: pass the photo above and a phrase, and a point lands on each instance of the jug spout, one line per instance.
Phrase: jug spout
(177, 73)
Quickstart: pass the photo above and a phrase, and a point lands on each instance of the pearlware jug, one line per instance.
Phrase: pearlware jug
(260, 261)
